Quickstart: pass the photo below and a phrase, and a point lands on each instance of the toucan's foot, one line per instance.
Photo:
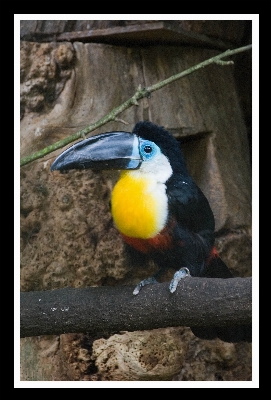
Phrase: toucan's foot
(182, 273)
(145, 282)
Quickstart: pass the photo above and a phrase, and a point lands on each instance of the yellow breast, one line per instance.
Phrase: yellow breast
(139, 205)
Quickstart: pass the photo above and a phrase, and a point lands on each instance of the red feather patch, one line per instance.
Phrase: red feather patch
(162, 241)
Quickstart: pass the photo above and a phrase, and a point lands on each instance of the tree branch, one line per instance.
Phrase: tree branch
(196, 302)
(139, 94)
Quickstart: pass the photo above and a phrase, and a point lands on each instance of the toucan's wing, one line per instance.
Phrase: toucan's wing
(189, 205)
(194, 223)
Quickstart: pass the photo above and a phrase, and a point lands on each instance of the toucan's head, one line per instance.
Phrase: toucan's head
(148, 147)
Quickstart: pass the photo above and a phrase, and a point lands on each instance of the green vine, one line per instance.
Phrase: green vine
(139, 94)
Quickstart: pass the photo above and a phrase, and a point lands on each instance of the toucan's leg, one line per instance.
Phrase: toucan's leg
(146, 281)
(182, 273)
(150, 280)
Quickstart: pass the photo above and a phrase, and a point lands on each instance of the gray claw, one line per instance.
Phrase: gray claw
(146, 281)
(182, 273)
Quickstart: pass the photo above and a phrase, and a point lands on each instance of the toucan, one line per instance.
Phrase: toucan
(157, 207)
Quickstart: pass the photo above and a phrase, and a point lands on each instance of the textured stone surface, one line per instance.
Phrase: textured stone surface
(216, 361)
(44, 70)
(142, 355)
(40, 360)
(67, 235)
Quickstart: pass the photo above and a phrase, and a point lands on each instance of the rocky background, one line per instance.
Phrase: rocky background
(72, 74)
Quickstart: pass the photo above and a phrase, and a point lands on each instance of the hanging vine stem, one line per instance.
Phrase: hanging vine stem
(139, 94)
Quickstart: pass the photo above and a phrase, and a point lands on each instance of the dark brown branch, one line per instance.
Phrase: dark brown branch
(196, 302)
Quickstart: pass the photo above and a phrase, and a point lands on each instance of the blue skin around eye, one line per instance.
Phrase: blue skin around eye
(148, 155)
(138, 152)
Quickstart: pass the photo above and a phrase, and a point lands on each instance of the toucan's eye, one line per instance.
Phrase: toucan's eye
(147, 149)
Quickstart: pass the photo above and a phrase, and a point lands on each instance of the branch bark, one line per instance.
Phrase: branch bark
(196, 302)
(139, 94)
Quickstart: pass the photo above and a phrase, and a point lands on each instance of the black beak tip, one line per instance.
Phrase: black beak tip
(59, 165)
(54, 167)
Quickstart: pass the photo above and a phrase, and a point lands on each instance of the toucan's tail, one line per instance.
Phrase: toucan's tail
(238, 333)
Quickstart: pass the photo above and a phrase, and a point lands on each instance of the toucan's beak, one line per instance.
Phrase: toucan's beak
(112, 150)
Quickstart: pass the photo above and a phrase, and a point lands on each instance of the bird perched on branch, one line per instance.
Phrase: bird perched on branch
(157, 207)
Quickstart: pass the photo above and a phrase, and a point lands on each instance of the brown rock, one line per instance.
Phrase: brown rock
(141, 356)
(216, 361)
